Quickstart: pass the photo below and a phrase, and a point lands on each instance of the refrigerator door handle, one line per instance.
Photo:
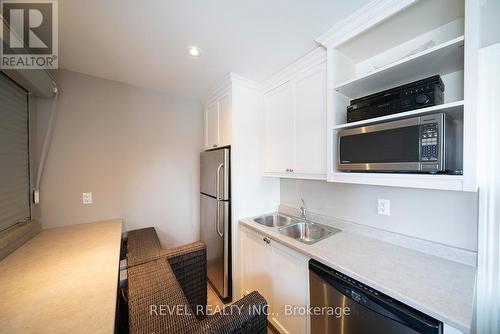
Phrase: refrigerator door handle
(217, 198)
(218, 219)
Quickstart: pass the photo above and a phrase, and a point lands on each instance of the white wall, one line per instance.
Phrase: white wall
(136, 150)
(446, 217)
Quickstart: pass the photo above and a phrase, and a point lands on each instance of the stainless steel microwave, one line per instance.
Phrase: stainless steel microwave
(425, 144)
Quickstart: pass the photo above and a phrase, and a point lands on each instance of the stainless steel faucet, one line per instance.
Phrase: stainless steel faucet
(303, 210)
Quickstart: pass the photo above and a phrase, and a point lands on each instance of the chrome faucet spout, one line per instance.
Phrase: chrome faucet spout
(303, 210)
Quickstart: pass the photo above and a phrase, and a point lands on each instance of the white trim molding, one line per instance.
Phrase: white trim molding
(225, 84)
(222, 86)
(487, 317)
(362, 20)
(312, 59)
(236, 78)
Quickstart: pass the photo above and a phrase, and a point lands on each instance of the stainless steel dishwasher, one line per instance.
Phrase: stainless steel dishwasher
(340, 304)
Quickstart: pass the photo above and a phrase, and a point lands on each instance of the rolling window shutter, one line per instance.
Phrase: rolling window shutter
(14, 154)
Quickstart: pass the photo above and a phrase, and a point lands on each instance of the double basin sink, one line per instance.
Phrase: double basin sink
(304, 231)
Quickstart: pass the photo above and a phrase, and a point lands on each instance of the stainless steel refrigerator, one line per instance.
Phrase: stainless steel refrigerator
(215, 217)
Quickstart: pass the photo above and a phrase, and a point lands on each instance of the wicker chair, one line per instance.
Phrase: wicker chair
(143, 246)
(169, 294)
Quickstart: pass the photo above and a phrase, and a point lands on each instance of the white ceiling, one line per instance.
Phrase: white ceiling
(144, 43)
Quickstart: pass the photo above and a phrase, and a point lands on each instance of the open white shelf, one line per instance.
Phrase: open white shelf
(427, 181)
(374, 40)
(441, 59)
(455, 109)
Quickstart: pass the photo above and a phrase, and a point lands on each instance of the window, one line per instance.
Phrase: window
(14, 154)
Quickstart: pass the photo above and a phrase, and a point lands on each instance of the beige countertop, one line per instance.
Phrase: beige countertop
(64, 280)
(438, 287)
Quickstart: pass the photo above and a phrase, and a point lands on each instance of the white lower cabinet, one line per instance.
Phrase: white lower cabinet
(281, 275)
(256, 264)
(290, 292)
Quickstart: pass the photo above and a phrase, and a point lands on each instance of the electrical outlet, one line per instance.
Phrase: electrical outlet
(384, 207)
(87, 198)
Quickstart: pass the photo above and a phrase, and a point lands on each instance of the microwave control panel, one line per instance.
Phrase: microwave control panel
(429, 142)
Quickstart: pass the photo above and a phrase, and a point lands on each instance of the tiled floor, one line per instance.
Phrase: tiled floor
(214, 300)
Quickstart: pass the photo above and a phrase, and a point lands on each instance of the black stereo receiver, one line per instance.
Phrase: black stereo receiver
(419, 94)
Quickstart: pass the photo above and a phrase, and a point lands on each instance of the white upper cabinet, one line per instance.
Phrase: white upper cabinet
(295, 120)
(277, 129)
(225, 120)
(211, 125)
(218, 122)
(309, 122)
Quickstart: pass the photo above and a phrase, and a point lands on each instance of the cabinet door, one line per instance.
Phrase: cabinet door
(277, 144)
(212, 125)
(309, 121)
(225, 120)
(256, 264)
(290, 287)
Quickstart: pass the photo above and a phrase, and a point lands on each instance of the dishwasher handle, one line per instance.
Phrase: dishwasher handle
(365, 300)
(376, 301)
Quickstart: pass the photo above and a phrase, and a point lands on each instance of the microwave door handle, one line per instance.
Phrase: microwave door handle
(217, 198)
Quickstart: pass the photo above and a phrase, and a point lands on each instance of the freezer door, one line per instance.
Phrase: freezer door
(215, 234)
(214, 167)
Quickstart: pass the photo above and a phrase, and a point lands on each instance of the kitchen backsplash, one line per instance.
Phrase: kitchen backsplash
(444, 217)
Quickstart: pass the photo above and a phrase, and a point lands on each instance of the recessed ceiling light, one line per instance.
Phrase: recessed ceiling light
(194, 51)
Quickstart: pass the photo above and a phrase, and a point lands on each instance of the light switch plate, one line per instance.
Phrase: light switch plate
(384, 207)
(87, 198)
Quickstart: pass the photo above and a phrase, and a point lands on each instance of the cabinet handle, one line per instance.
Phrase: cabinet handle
(214, 145)
(264, 239)
(287, 170)
(268, 241)
(291, 170)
